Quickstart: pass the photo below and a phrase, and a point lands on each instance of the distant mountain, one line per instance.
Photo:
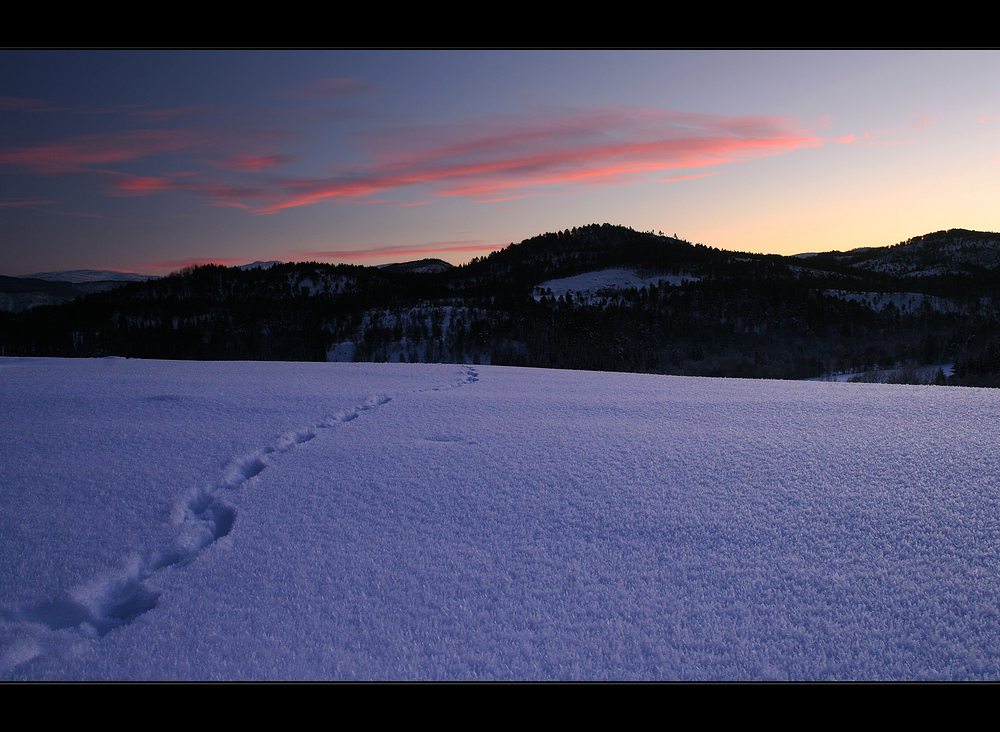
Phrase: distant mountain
(597, 297)
(422, 266)
(952, 252)
(24, 292)
(262, 265)
(89, 275)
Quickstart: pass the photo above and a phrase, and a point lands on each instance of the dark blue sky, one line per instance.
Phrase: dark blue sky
(150, 160)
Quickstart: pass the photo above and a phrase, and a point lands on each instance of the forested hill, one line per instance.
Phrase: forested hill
(598, 297)
(587, 249)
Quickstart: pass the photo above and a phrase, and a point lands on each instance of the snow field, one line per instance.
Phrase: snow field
(394, 521)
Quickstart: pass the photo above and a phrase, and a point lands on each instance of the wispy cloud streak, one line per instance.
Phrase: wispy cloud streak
(510, 157)
(889, 137)
(24, 202)
(489, 159)
(89, 152)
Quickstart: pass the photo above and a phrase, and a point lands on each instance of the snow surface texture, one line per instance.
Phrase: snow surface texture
(178, 520)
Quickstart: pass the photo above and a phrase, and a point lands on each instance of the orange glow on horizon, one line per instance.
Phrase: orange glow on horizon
(417, 251)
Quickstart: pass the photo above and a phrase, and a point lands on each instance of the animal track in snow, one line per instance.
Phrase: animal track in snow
(471, 376)
(201, 517)
(96, 607)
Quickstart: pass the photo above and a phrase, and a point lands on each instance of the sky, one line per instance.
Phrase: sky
(153, 160)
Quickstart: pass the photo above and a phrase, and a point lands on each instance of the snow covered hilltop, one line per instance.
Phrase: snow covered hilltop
(597, 297)
(210, 520)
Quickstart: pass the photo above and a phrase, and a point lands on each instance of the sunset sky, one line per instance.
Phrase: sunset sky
(148, 161)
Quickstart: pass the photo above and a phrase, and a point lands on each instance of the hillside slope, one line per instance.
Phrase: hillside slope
(672, 307)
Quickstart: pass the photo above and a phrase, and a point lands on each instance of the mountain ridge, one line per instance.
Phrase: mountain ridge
(79, 276)
(686, 308)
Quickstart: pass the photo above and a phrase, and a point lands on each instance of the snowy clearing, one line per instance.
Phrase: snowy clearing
(591, 283)
(225, 521)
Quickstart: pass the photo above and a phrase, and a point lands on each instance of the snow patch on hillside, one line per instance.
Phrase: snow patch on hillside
(591, 283)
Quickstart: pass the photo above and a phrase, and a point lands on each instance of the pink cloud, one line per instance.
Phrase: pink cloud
(25, 203)
(84, 153)
(490, 159)
(233, 204)
(888, 137)
(219, 194)
(514, 157)
(140, 185)
(253, 163)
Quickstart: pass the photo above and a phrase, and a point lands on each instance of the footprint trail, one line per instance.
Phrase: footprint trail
(200, 518)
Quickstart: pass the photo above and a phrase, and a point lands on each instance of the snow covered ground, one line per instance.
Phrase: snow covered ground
(180, 520)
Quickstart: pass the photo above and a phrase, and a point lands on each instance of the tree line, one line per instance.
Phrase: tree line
(737, 315)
